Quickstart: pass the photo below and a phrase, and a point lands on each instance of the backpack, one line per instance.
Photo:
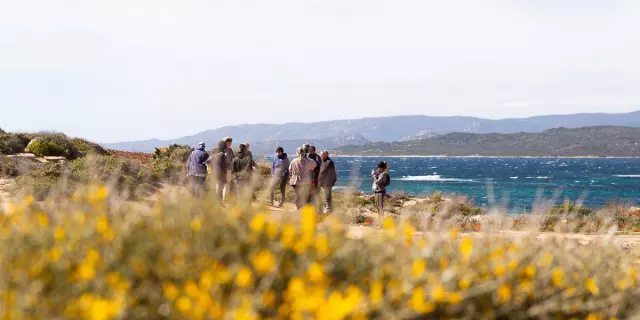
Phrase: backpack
(388, 181)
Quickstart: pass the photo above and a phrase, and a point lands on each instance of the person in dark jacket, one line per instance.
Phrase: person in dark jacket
(315, 190)
(305, 150)
(242, 168)
(327, 178)
(279, 175)
(219, 168)
(380, 179)
(197, 168)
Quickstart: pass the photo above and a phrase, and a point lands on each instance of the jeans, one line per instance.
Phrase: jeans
(328, 198)
(280, 182)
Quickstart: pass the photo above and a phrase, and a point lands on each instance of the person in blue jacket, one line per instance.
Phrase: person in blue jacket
(279, 175)
(197, 168)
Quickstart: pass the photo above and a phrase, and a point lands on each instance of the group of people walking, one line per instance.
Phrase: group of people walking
(312, 176)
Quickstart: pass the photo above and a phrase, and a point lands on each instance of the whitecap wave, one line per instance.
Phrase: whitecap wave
(435, 177)
(539, 177)
(513, 178)
(627, 175)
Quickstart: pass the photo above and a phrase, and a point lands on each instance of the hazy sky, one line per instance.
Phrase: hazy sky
(136, 69)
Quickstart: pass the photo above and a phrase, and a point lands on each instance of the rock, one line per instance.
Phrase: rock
(31, 143)
(53, 158)
(23, 155)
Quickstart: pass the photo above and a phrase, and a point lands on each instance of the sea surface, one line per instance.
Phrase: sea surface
(516, 183)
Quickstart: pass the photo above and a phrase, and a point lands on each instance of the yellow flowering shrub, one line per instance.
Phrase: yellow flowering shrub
(93, 256)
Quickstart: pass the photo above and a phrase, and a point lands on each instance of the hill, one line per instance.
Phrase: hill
(587, 141)
(385, 129)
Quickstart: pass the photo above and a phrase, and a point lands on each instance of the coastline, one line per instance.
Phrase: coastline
(489, 157)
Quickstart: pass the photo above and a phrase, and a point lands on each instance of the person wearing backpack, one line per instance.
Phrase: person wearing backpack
(381, 181)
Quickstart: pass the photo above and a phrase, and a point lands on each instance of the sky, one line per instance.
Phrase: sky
(122, 70)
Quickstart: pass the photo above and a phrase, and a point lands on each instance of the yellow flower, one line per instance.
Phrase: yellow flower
(315, 272)
(444, 262)
(196, 224)
(387, 223)
(288, 236)
(43, 220)
(100, 310)
(55, 253)
(268, 298)
(191, 289)
(257, 223)
(500, 270)
(86, 272)
(322, 246)
(93, 256)
(591, 285)
(530, 271)
(592, 316)
(103, 224)
(504, 293)
(376, 292)
(454, 297)
(244, 278)
(557, 277)
(308, 214)
(418, 267)
(263, 261)
(408, 230)
(296, 286)
(438, 293)
(206, 279)
(58, 234)
(513, 264)
(466, 246)
(108, 235)
(102, 193)
(464, 283)
(184, 305)
(272, 230)
(418, 304)
(170, 291)
(220, 273)
(28, 199)
(112, 279)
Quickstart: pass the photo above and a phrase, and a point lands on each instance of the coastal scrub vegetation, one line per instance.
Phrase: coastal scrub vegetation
(92, 255)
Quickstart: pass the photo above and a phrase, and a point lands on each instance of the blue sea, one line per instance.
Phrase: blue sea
(516, 182)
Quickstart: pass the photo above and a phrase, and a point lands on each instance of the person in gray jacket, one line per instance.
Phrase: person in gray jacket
(327, 178)
(381, 181)
(228, 159)
(197, 168)
(219, 169)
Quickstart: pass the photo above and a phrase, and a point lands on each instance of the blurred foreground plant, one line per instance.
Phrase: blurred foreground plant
(93, 256)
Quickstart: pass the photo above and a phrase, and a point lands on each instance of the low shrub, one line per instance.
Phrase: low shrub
(92, 256)
(52, 144)
(11, 167)
(128, 177)
(170, 163)
(12, 143)
(88, 147)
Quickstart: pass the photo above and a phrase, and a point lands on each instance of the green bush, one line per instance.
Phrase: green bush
(52, 144)
(88, 147)
(170, 163)
(12, 143)
(11, 167)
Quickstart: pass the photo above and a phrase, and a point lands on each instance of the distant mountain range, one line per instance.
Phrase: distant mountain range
(332, 134)
(598, 141)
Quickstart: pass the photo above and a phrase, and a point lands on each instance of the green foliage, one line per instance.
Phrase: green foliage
(88, 147)
(52, 144)
(170, 163)
(128, 177)
(571, 208)
(12, 143)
